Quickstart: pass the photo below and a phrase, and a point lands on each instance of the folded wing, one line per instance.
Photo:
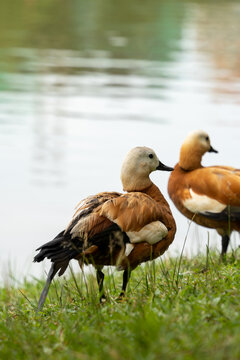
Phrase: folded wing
(214, 192)
(132, 211)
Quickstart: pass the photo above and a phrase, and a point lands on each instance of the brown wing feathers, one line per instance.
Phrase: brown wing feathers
(132, 211)
(218, 183)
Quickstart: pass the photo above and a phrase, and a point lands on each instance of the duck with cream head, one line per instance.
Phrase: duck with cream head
(111, 228)
(210, 196)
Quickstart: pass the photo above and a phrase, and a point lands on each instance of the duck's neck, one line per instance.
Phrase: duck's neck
(132, 183)
(155, 194)
(190, 159)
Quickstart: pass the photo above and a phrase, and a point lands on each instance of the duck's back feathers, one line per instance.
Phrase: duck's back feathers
(86, 220)
(132, 211)
(86, 230)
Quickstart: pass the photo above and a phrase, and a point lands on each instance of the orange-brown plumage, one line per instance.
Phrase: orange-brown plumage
(138, 210)
(110, 228)
(208, 195)
(132, 211)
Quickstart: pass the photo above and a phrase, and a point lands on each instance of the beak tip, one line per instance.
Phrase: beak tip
(163, 167)
(212, 150)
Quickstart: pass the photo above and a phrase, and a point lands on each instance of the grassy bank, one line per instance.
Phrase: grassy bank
(172, 311)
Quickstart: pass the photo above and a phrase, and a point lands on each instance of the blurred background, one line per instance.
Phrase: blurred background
(82, 82)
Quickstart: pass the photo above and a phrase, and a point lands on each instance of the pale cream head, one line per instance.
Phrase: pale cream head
(136, 168)
(194, 147)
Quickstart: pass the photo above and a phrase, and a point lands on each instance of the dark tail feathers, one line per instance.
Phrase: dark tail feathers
(59, 251)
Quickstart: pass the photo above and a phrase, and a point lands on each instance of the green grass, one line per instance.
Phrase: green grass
(172, 310)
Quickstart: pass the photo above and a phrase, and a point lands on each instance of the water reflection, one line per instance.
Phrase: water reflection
(82, 82)
(217, 36)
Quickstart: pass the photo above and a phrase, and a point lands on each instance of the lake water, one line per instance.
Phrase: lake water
(82, 82)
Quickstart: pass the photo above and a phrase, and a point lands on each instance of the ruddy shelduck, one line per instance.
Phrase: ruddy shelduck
(116, 229)
(210, 196)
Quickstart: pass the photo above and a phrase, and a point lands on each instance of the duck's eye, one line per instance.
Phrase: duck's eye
(207, 138)
(151, 156)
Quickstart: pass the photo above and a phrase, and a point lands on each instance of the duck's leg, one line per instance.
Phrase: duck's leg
(100, 278)
(126, 277)
(225, 242)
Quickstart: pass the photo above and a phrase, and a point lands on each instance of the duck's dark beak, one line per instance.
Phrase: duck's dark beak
(163, 167)
(212, 150)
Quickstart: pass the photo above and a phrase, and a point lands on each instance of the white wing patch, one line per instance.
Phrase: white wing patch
(202, 203)
(151, 233)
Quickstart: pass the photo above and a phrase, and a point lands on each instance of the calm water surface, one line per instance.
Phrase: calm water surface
(83, 82)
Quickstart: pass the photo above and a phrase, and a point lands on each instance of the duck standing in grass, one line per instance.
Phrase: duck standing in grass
(110, 228)
(210, 196)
